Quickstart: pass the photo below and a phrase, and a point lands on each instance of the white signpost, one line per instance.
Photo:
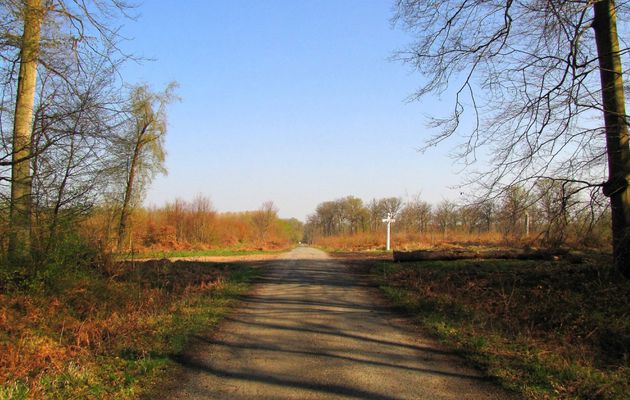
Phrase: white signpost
(389, 221)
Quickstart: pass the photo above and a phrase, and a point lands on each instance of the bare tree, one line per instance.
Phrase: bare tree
(535, 76)
(392, 205)
(263, 220)
(513, 212)
(379, 208)
(415, 215)
(202, 220)
(445, 216)
(71, 145)
(377, 212)
(556, 200)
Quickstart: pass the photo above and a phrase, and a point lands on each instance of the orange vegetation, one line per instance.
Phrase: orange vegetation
(116, 314)
(411, 241)
(183, 225)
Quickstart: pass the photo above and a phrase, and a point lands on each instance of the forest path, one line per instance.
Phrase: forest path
(311, 329)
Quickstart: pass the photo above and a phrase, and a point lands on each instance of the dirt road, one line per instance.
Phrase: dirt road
(311, 330)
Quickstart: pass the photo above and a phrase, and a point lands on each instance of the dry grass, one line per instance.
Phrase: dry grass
(96, 333)
(546, 329)
(374, 241)
(193, 225)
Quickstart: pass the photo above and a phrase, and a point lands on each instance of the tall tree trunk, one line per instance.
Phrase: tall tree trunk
(21, 181)
(617, 148)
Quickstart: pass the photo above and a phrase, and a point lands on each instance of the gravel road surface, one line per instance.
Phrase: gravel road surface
(312, 330)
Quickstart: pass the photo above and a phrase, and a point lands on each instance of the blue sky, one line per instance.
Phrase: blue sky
(291, 101)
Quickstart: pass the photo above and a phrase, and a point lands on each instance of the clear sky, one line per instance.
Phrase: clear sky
(291, 101)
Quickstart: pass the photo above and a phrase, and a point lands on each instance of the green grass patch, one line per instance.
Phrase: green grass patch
(544, 329)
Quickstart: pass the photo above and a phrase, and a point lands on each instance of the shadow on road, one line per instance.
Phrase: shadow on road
(311, 329)
(277, 381)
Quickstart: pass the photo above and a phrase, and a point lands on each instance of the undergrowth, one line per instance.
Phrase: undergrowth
(545, 329)
(103, 329)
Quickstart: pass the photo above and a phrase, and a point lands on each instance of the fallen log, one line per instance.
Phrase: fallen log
(448, 255)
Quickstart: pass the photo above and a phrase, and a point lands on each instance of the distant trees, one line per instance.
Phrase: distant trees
(555, 212)
(376, 209)
(263, 220)
(556, 202)
(445, 216)
(513, 212)
(292, 229)
(415, 216)
(379, 208)
(178, 222)
(349, 215)
(534, 76)
(391, 205)
(202, 220)
(353, 213)
(195, 224)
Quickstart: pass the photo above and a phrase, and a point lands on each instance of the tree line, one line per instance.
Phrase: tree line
(196, 225)
(551, 215)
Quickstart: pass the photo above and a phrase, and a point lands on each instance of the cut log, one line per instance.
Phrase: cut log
(447, 255)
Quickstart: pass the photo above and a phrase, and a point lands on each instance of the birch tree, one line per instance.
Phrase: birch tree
(20, 206)
(141, 147)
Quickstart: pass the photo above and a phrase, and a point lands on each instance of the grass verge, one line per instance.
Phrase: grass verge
(104, 334)
(544, 329)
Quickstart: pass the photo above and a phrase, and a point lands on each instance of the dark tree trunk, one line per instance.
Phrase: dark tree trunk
(126, 206)
(617, 188)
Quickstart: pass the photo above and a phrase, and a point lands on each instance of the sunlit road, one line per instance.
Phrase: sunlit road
(311, 330)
